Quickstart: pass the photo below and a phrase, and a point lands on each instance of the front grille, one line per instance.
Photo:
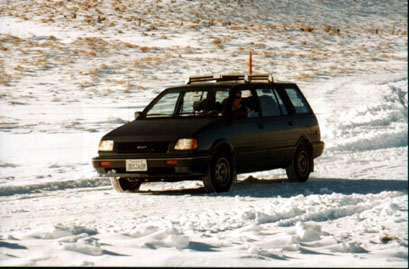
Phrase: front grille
(151, 147)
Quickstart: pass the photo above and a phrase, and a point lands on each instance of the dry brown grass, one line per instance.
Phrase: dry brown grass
(374, 31)
(332, 30)
(93, 73)
(144, 49)
(304, 76)
(236, 27)
(100, 15)
(4, 77)
(307, 28)
(19, 68)
(137, 63)
(120, 82)
(218, 42)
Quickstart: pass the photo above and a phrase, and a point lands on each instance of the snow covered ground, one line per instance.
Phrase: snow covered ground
(73, 70)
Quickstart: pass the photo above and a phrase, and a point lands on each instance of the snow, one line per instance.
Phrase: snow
(67, 78)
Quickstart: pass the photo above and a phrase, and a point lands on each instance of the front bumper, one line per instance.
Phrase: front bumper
(167, 169)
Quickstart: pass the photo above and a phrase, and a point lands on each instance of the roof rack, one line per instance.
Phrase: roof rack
(235, 77)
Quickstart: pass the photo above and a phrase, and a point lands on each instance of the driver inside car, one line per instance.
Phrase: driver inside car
(238, 109)
(242, 107)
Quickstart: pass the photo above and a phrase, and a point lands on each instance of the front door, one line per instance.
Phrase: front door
(247, 137)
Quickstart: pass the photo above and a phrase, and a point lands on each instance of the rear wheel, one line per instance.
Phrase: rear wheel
(220, 174)
(300, 167)
(122, 184)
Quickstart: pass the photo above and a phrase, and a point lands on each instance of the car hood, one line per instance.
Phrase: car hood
(158, 129)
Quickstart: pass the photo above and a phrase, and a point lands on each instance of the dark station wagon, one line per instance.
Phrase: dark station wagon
(212, 129)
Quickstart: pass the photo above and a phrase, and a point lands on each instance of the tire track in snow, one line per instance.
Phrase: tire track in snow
(53, 186)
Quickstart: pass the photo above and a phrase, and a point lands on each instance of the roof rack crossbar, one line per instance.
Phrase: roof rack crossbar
(231, 77)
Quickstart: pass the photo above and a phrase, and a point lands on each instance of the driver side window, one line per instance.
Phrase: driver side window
(191, 100)
(248, 103)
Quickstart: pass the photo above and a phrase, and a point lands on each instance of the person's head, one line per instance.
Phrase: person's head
(237, 98)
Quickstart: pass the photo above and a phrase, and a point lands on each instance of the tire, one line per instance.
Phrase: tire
(300, 167)
(220, 174)
(122, 184)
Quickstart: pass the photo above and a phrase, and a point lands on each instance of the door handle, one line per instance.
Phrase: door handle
(290, 122)
(260, 125)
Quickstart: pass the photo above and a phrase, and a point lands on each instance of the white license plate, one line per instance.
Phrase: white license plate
(136, 165)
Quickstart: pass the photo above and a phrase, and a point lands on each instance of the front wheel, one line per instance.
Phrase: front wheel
(220, 174)
(122, 184)
(300, 167)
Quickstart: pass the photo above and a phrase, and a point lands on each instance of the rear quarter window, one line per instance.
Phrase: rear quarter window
(298, 101)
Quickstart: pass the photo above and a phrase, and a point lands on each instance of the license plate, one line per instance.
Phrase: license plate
(136, 165)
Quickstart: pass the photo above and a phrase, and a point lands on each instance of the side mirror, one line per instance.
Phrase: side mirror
(137, 114)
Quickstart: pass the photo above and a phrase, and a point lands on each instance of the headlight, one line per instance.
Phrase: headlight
(186, 144)
(106, 145)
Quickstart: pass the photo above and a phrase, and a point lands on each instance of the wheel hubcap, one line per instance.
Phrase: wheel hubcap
(222, 171)
(303, 163)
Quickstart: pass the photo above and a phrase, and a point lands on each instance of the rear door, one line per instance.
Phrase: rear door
(302, 118)
(277, 126)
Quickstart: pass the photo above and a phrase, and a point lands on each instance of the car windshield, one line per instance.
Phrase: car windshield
(192, 103)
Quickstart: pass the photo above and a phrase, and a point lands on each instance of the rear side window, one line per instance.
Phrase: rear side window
(298, 101)
(270, 105)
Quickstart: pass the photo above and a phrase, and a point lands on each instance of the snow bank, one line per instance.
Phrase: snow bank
(380, 122)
